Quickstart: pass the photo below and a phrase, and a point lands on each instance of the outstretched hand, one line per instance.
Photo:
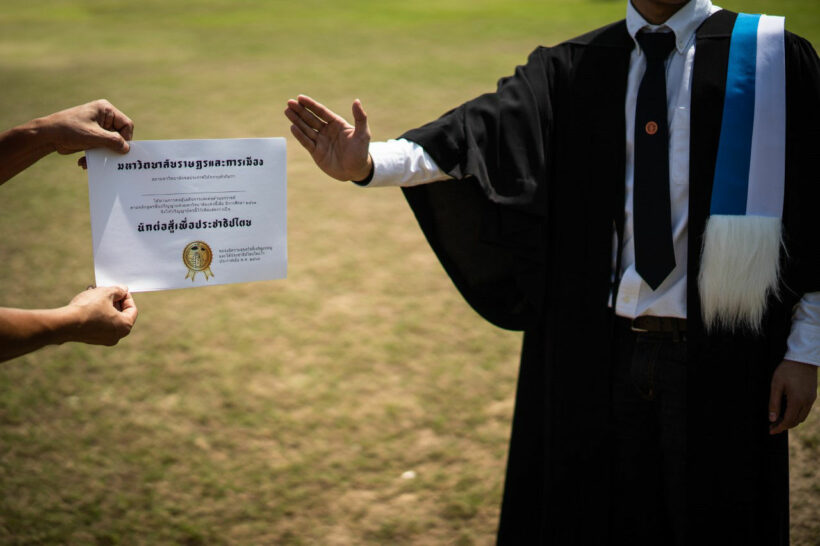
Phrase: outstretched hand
(338, 148)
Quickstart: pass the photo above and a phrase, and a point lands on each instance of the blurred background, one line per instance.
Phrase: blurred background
(360, 401)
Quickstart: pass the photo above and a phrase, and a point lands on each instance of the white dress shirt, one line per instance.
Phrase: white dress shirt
(404, 163)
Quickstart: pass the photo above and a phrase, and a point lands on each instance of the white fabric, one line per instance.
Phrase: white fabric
(804, 340)
(740, 269)
(767, 169)
(404, 163)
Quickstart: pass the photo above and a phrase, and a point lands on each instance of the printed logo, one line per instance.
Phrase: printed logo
(197, 257)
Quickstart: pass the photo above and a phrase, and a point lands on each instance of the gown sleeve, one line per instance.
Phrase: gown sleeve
(486, 225)
(800, 214)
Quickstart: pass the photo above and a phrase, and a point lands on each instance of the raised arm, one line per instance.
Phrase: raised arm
(99, 316)
(95, 124)
(338, 148)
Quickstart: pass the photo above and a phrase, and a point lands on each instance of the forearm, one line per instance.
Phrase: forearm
(21, 147)
(23, 331)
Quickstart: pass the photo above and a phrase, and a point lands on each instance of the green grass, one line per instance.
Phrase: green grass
(281, 412)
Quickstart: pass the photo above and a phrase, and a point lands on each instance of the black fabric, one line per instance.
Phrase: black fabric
(526, 235)
(649, 408)
(654, 251)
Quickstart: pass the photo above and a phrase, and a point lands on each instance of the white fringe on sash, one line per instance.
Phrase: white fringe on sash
(739, 270)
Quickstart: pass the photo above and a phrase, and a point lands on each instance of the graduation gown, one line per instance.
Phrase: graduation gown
(526, 234)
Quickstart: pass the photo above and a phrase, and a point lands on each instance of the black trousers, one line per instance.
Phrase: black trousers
(649, 428)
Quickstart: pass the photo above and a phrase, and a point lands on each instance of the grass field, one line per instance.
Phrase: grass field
(287, 412)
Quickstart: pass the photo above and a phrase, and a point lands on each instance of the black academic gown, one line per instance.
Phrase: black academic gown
(527, 239)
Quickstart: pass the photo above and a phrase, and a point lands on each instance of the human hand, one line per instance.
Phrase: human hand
(796, 383)
(101, 316)
(97, 124)
(338, 148)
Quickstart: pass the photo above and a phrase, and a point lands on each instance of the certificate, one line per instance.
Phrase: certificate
(188, 213)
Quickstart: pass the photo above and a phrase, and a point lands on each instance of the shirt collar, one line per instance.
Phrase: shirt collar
(683, 24)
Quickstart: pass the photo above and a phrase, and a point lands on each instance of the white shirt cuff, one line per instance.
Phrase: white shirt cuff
(402, 163)
(804, 339)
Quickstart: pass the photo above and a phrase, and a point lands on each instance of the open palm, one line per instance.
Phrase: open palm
(338, 148)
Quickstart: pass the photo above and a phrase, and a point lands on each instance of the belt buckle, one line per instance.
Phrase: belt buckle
(633, 326)
(636, 329)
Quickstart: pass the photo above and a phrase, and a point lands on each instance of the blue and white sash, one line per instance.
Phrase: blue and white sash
(741, 250)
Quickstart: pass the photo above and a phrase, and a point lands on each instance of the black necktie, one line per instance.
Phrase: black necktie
(654, 252)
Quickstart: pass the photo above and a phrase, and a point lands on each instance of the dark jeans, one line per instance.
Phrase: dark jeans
(649, 409)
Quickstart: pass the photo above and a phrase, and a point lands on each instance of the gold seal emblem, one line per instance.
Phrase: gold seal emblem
(197, 257)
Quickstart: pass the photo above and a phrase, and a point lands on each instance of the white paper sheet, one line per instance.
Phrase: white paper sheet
(189, 213)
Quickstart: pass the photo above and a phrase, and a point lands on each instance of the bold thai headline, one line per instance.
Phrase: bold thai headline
(172, 225)
(197, 164)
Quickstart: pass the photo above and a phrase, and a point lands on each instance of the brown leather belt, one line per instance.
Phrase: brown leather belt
(658, 325)
(660, 328)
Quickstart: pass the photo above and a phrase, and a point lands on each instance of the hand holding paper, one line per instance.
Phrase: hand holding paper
(96, 124)
(91, 125)
(99, 316)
